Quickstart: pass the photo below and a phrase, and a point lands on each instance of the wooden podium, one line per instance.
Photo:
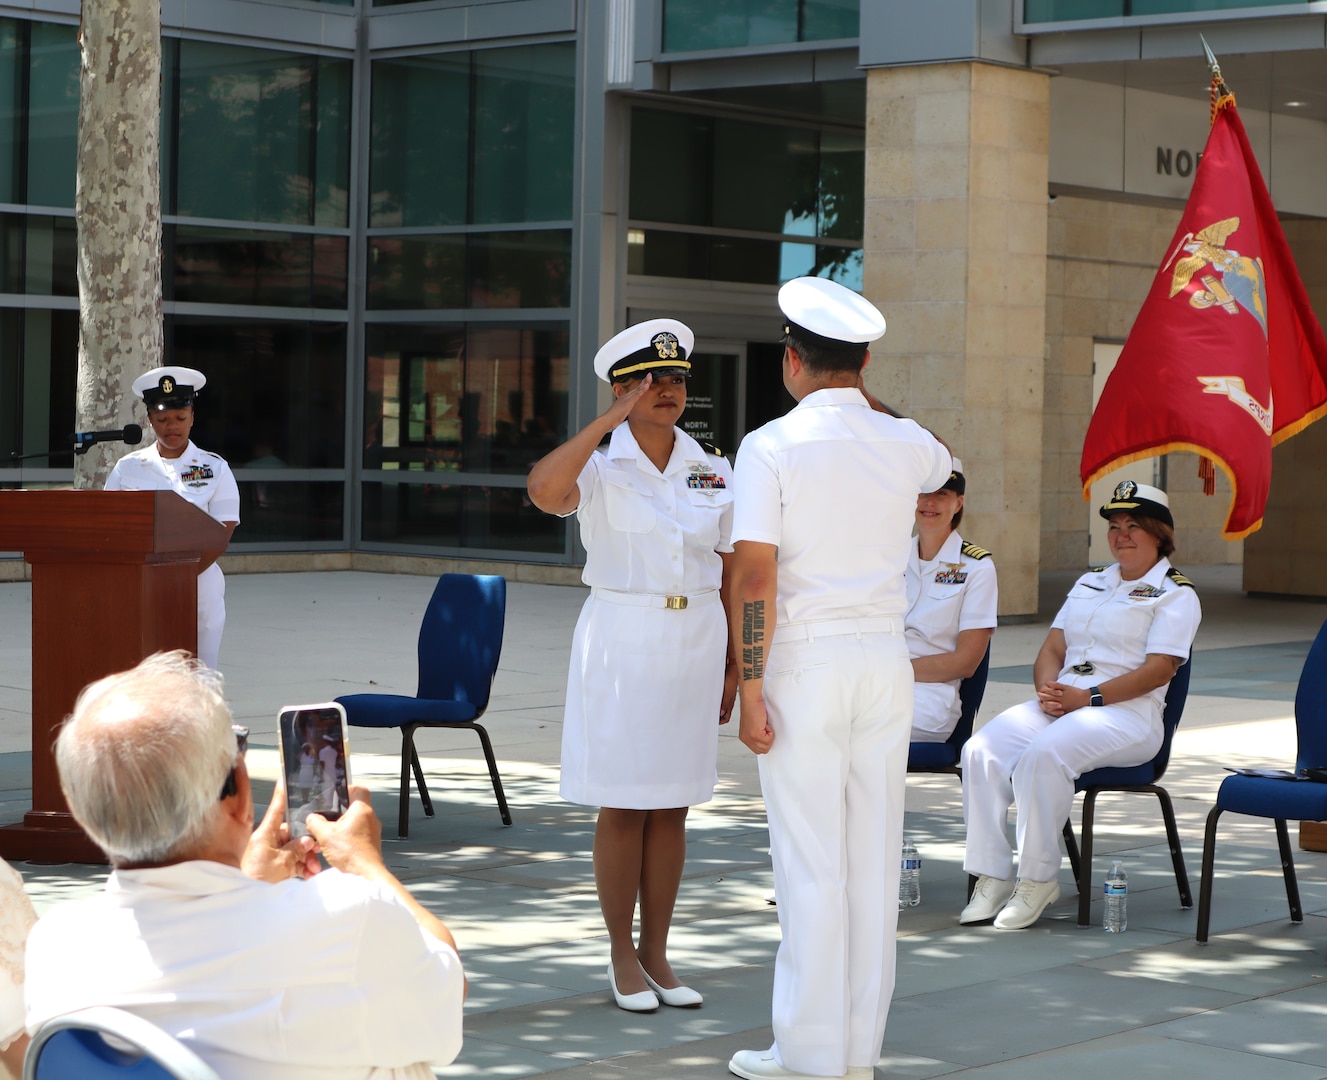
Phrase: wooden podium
(114, 579)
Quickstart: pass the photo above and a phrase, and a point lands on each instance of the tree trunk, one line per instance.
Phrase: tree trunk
(118, 208)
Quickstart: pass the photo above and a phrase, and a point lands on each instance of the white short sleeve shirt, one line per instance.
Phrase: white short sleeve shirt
(946, 595)
(834, 485)
(651, 532)
(200, 476)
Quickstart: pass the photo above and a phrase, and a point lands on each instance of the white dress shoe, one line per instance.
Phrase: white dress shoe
(989, 897)
(760, 1065)
(1030, 899)
(679, 997)
(645, 1001)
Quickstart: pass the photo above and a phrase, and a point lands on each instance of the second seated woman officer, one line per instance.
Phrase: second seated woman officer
(650, 669)
(174, 463)
(1101, 675)
(952, 598)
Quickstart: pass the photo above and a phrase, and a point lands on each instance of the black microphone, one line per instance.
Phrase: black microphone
(85, 440)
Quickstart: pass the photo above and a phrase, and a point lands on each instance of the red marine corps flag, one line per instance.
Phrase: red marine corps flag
(1226, 357)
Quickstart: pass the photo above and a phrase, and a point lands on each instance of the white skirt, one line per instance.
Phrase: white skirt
(641, 727)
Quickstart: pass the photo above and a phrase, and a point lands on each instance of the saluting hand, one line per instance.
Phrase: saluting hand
(625, 402)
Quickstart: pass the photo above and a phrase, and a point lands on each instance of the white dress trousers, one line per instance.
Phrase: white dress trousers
(206, 481)
(841, 708)
(1025, 758)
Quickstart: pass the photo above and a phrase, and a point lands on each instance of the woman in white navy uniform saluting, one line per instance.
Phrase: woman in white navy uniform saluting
(1101, 675)
(648, 682)
(952, 597)
(173, 463)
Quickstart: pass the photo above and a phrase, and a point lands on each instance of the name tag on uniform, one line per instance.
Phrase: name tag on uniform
(705, 481)
(197, 476)
(951, 575)
(1145, 592)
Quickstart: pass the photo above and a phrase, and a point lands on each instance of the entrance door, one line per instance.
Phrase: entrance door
(714, 412)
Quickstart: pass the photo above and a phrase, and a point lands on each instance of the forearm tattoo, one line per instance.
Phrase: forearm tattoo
(753, 640)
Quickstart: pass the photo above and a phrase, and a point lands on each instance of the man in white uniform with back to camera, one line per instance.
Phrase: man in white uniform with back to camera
(174, 463)
(825, 498)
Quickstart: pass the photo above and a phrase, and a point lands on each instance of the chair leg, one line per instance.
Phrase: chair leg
(1084, 875)
(1176, 852)
(1071, 847)
(493, 773)
(1288, 870)
(403, 811)
(419, 781)
(1205, 881)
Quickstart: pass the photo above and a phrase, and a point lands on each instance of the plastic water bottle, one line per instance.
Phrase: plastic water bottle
(1116, 893)
(910, 876)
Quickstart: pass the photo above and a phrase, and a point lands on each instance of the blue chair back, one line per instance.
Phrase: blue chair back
(1311, 706)
(72, 1047)
(970, 692)
(1113, 776)
(460, 639)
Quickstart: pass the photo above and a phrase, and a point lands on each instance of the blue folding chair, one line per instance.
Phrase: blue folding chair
(1145, 777)
(74, 1047)
(1280, 800)
(944, 757)
(460, 642)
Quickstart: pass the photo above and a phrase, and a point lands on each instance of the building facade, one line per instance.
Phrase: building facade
(395, 233)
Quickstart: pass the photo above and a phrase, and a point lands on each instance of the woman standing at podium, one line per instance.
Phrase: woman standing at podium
(174, 463)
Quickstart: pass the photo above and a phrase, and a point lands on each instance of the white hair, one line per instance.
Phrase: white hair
(144, 756)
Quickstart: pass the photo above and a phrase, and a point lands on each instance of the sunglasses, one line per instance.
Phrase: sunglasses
(241, 748)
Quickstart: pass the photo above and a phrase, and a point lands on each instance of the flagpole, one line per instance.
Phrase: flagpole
(1222, 95)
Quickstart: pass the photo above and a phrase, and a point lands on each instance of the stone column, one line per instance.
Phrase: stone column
(955, 256)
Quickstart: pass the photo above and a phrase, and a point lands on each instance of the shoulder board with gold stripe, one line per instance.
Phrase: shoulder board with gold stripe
(1098, 569)
(972, 551)
(710, 448)
(1180, 579)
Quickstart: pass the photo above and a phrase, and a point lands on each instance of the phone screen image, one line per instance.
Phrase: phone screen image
(316, 762)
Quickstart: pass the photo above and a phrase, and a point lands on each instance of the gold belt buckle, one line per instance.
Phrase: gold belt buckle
(675, 603)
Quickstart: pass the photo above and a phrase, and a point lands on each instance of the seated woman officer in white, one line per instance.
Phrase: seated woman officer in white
(1101, 675)
(952, 597)
(174, 463)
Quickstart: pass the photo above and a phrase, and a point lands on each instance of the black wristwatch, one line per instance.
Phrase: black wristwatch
(1095, 699)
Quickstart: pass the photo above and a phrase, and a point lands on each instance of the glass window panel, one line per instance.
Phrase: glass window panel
(38, 369)
(840, 265)
(11, 253)
(431, 515)
(765, 177)
(756, 262)
(53, 114)
(520, 269)
(670, 167)
(51, 256)
(669, 254)
(841, 198)
(825, 20)
(437, 398)
(419, 143)
(728, 24)
(238, 266)
(275, 390)
(524, 117)
(331, 272)
(284, 511)
(1036, 11)
(244, 149)
(421, 272)
(332, 150)
(12, 76)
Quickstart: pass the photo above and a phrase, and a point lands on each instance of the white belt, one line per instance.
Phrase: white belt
(809, 631)
(676, 602)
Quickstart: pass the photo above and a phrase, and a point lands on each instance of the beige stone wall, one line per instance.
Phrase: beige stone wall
(1101, 259)
(1289, 553)
(956, 166)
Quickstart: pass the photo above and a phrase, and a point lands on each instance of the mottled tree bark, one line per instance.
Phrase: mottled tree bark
(118, 207)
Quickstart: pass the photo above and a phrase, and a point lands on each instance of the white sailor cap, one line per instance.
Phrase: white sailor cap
(169, 387)
(1140, 500)
(660, 347)
(824, 313)
(957, 482)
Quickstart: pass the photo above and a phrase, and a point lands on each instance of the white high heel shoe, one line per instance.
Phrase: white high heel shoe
(679, 997)
(644, 1001)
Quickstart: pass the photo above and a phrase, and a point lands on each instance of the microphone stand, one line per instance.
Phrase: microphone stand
(16, 456)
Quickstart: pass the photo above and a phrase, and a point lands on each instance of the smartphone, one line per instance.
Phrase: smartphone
(316, 761)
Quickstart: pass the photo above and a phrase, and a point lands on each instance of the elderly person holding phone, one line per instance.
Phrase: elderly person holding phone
(226, 937)
(1101, 676)
(647, 684)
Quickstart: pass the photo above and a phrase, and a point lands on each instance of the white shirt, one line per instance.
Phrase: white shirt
(946, 595)
(200, 476)
(1113, 624)
(852, 477)
(326, 979)
(651, 532)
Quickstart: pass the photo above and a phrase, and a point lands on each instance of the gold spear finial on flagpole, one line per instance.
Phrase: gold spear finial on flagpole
(1222, 95)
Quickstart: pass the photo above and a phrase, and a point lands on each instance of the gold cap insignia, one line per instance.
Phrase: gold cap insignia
(1126, 489)
(167, 385)
(665, 344)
